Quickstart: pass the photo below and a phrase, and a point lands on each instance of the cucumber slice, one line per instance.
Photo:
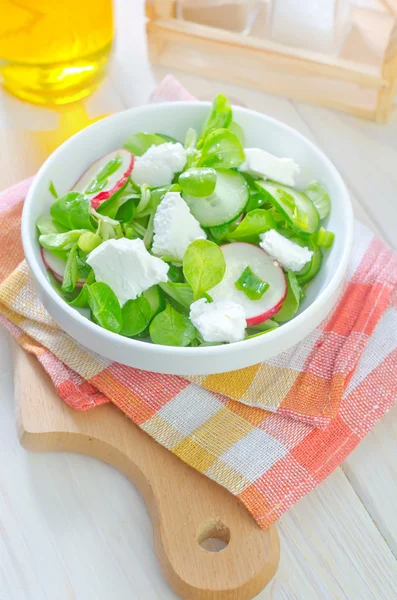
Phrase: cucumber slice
(320, 198)
(225, 205)
(286, 200)
(311, 269)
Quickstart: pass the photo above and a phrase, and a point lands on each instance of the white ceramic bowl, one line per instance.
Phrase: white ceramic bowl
(71, 159)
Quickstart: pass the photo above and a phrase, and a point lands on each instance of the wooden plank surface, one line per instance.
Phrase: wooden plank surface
(74, 528)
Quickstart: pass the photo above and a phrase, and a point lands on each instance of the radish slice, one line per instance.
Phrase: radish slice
(57, 266)
(115, 181)
(238, 256)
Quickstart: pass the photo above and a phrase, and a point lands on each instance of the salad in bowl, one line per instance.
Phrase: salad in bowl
(195, 242)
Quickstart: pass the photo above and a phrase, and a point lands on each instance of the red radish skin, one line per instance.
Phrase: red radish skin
(117, 182)
(239, 255)
(57, 266)
(268, 315)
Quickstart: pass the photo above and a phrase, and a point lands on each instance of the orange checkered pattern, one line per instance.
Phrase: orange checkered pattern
(269, 433)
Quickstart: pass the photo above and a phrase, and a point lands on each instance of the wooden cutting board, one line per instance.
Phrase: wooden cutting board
(188, 510)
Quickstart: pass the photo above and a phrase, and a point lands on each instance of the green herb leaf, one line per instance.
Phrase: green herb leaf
(175, 274)
(72, 211)
(52, 190)
(221, 150)
(257, 196)
(291, 303)
(255, 222)
(220, 117)
(60, 241)
(203, 266)
(105, 306)
(171, 328)
(139, 143)
(253, 286)
(198, 182)
(136, 316)
(182, 293)
(112, 205)
(70, 276)
(81, 301)
(320, 198)
(238, 132)
(46, 224)
(219, 232)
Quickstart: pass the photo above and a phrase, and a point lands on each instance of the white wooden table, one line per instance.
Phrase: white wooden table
(72, 528)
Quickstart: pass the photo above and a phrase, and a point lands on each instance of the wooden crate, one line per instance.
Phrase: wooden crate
(361, 80)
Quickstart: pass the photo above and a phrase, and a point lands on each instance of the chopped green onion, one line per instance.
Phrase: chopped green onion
(88, 241)
(145, 199)
(324, 238)
(252, 286)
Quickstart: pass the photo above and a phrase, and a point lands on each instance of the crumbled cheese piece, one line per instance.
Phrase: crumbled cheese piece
(290, 255)
(127, 267)
(259, 163)
(218, 321)
(175, 228)
(159, 164)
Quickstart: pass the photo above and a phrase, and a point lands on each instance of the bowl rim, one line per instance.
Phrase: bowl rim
(29, 242)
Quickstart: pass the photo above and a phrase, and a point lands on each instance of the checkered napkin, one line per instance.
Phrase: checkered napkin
(269, 433)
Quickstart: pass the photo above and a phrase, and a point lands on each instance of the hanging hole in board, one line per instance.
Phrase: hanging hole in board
(213, 536)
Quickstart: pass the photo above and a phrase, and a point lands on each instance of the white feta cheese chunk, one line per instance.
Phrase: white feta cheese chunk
(159, 164)
(127, 267)
(260, 163)
(175, 228)
(290, 255)
(218, 321)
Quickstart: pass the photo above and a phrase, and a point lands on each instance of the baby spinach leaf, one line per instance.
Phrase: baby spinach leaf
(255, 222)
(220, 117)
(136, 316)
(261, 329)
(70, 275)
(171, 328)
(57, 286)
(154, 295)
(45, 224)
(72, 211)
(182, 293)
(83, 269)
(291, 303)
(238, 132)
(198, 182)
(203, 266)
(102, 178)
(60, 241)
(219, 232)
(257, 196)
(252, 285)
(221, 150)
(112, 205)
(175, 274)
(168, 138)
(139, 143)
(52, 190)
(81, 300)
(105, 306)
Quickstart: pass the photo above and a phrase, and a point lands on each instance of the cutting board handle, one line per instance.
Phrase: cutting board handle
(186, 508)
